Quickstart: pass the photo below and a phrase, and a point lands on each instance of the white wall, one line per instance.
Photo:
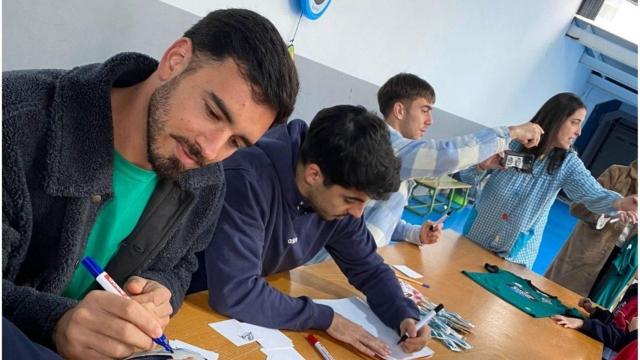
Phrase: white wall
(493, 66)
(63, 34)
(490, 61)
(42, 34)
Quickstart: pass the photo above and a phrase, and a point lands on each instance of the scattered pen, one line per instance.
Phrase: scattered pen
(441, 220)
(109, 285)
(413, 281)
(424, 321)
(321, 349)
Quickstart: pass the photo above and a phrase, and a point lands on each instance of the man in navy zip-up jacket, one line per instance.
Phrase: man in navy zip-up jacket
(297, 192)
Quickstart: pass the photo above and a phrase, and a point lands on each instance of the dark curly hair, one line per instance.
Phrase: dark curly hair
(353, 150)
(257, 47)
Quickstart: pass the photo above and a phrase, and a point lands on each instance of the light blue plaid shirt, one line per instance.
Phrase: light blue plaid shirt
(512, 208)
(430, 158)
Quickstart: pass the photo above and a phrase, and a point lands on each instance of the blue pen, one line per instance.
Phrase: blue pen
(109, 285)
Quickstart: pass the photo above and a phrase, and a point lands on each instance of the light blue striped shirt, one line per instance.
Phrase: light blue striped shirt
(512, 208)
(427, 158)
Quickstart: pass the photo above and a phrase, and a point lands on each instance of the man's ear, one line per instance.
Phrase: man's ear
(398, 110)
(175, 59)
(313, 175)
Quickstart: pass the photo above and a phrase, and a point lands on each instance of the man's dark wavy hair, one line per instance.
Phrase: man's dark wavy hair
(404, 88)
(257, 47)
(353, 150)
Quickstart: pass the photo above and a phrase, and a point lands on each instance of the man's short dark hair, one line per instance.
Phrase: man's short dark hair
(353, 150)
(404, 88)
(257, 47)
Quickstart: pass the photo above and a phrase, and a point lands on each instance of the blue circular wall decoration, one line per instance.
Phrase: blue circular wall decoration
(313, 9)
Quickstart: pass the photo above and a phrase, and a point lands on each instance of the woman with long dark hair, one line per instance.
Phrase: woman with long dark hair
(511, 211)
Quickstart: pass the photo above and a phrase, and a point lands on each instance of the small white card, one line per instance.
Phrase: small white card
(241, 333)
(208, 355)
(234, 331)
(408, 271)
(269, 338)
(282, 354)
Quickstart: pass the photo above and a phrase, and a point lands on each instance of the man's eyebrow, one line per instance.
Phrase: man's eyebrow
(245, 140)
(221, 105)
(227, 115)
(355, 198)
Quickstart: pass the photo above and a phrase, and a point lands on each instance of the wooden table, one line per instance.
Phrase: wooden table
(502, 331)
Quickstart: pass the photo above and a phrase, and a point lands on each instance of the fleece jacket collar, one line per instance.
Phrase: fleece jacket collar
(81, 131)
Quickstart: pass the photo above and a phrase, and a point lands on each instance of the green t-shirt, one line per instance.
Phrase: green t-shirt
(521, 293)
(617, 276)
(132, 188)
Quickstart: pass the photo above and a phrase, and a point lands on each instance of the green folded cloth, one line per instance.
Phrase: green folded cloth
(522, 294)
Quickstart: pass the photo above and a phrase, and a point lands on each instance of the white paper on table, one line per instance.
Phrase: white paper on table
(234, 331)
(241, 333)
(408, 271)
(282, 354)
(359, 312)
(207, 354)
(269, 338)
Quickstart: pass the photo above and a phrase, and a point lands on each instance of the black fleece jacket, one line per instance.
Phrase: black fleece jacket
(57, 154)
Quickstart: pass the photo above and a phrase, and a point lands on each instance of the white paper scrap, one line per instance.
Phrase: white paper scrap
(282, 354)
(269, 338)
(241, 333)
(408, 271)
(234, 331)
(359, 312)
(207, 354)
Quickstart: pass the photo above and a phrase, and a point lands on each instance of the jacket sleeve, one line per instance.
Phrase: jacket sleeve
(608, 334)
(405, 231)
(234, 265)
(354, 251)
(34, 312)
(472, 176)
(580, 186)
(435, 158)
(175, 264)
(607, 179)
(602, 315)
